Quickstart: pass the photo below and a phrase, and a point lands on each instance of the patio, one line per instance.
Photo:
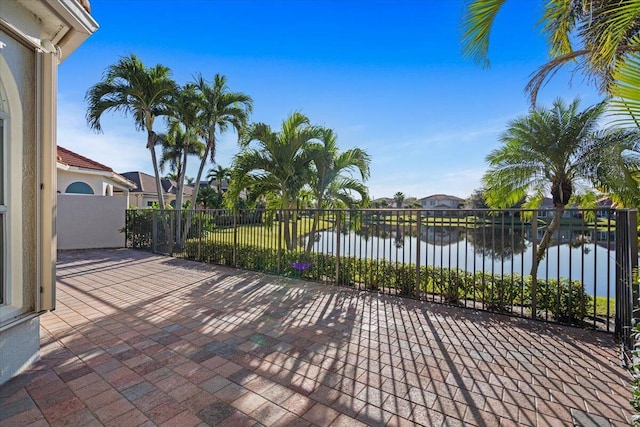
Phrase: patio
(141, 339)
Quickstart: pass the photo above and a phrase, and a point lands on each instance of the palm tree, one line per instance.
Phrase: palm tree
(276, 165)
(183, 119)
(550, 149)
(218, 175)
(220, 109)
(606, 32)
(208, 198)
(332, 183)
(331, 179)
(398, 198)
(137, 91)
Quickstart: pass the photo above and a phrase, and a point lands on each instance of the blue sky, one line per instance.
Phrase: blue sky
(387, 76)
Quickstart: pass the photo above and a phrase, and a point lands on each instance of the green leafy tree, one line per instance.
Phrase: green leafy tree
(220, 109)
(398, 198)
(332, 182)
(596, 35)
(208, 198)
(276, 166)
(143, 93)
(183, 121)
(551, 149)
(218, 175)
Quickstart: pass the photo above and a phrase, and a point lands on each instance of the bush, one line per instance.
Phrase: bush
(566, 302)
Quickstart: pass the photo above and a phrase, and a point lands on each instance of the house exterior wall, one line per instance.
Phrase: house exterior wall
(100, 185)
(90, 222)
(20, 260)
(141, 200)
(28, 98)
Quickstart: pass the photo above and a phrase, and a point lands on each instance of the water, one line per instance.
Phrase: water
(590, 263)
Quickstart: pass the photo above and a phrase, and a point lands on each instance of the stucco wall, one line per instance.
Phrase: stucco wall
(88, 222)
(19, 348)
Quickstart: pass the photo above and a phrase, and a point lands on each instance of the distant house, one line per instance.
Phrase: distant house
(80, 175)
(386, 202)
(146, 192)
(439, 202)
(224, 186)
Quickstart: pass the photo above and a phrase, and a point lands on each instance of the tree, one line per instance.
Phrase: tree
(208, 198)
(332, 182)
(137, 91)
(604, 31)
(276, 166)
(183, 119)
(549, 149)
(220, 109)
(398, 198)
(218, 175)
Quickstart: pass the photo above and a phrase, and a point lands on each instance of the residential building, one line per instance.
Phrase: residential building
(440, 202)
(35, 36)
(92, 201)
(146, 192)
(80, 175)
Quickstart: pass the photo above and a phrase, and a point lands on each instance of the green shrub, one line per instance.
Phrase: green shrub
(566, 303)
(565, 300)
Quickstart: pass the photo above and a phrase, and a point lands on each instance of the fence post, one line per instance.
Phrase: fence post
(154, 231)
(279, 256)
(337, 251)
(626, 263)
(534, 272)
(418, 255)
(235, 237)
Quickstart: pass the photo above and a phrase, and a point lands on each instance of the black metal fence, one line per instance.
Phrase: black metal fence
(480, 259)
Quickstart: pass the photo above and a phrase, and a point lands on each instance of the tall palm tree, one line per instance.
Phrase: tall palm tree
(276, 165)
(131, 88)
(220, 109)
(597, 35)
(551, 149)
(332, 182)
(183, 119)
(398, 198)
(218, 175)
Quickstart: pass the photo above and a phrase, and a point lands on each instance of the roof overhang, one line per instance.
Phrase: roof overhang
(62, 24)
(118, 181)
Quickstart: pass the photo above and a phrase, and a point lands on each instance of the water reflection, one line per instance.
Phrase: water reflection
(498, 242)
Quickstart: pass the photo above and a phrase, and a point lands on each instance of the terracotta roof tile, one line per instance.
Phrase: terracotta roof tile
(70, 158)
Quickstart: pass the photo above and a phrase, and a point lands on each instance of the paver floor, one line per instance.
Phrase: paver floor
(140, 339)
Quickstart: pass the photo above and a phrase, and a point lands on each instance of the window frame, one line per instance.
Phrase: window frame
(5, 291)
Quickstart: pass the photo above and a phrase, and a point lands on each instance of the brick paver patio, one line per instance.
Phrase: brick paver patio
(140, 339)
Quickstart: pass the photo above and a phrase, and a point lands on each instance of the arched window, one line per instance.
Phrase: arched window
(79, 187)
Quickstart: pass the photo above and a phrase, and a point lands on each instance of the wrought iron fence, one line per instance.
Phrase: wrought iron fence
(481, 259)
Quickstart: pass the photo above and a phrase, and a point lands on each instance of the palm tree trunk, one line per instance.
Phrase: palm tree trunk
(314, 228)
(151, 145)
(181, 173)
(546, 238)
(194, 195)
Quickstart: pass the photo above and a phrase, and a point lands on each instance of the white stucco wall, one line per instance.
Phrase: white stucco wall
(89, 222)
(19, 347)
(96, 182)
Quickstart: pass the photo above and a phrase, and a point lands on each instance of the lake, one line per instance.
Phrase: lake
(592, 264)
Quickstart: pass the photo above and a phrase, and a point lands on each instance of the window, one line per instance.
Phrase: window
(79, 187)
(3, 213)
